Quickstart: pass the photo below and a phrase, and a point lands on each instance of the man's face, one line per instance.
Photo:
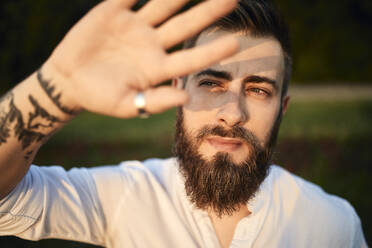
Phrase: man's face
(225, 134)
(244, 90)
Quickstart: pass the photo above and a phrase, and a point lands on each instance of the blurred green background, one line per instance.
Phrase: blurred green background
(325, 137)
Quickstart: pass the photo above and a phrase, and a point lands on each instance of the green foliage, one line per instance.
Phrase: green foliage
(29, 31)
(338, 120)
(331, 39)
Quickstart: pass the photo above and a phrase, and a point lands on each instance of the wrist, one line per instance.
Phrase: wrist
(57, 87)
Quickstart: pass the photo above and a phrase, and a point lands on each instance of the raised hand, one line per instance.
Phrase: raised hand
(113, 53)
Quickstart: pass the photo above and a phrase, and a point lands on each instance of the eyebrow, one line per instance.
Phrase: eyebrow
(214, 73)
(260, 79)
(227, 76)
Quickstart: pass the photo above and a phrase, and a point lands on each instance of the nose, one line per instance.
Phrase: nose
(233, 112)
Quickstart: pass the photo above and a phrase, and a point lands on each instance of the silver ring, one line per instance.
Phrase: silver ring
(140, 104)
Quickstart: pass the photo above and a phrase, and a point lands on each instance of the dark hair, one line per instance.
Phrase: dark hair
(261, 19)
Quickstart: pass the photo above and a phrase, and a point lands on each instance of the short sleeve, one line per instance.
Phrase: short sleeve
(113, 185)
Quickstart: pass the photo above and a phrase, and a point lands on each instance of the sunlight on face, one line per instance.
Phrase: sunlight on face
(243, 90)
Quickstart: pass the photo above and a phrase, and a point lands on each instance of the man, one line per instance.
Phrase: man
(220, 190)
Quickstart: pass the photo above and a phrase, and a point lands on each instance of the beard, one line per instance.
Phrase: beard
(220, 184)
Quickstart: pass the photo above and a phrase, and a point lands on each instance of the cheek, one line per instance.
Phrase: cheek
(262, 119)
(194, 120)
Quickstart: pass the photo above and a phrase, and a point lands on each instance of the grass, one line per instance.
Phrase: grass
(337, 120)
(308, 120)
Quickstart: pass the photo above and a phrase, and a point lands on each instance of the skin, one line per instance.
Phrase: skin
(216, 100)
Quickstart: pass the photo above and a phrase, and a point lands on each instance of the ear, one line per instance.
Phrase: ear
(177, 82)
(285, 104)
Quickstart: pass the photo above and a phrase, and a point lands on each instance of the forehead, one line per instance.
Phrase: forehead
(262, 56)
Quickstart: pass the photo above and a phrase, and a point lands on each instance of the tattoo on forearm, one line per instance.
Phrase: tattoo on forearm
(34, 123)
(40, 123)
(49, 90)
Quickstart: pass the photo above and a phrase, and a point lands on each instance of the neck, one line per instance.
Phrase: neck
(237, 215)
(225, 225)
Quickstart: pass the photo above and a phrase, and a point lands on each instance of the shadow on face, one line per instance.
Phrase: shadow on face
(262, 68)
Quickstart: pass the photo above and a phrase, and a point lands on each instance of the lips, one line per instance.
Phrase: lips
(225, 144)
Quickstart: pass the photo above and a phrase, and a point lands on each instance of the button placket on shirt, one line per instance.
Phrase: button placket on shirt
(208, 234)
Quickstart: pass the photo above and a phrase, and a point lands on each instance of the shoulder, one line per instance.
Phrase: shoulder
(306, 194)
(309, 208)
(154, 168)
(136, 175)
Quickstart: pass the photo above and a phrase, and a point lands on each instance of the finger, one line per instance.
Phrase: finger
(165, 97)
(156, 11)
(187, 61)
(193, 21)
(124, 3)
(157, 100)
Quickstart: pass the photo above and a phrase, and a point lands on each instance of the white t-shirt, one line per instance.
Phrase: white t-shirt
(144, 204)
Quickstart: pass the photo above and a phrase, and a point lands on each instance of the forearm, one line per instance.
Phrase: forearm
(29, 114)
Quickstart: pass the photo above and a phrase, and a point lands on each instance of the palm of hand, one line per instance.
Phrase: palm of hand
(113, 53)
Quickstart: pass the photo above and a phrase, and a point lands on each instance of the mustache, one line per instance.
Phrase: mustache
(235, 132)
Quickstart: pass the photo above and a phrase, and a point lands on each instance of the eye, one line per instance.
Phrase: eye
(208, 83)
(259, 92)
